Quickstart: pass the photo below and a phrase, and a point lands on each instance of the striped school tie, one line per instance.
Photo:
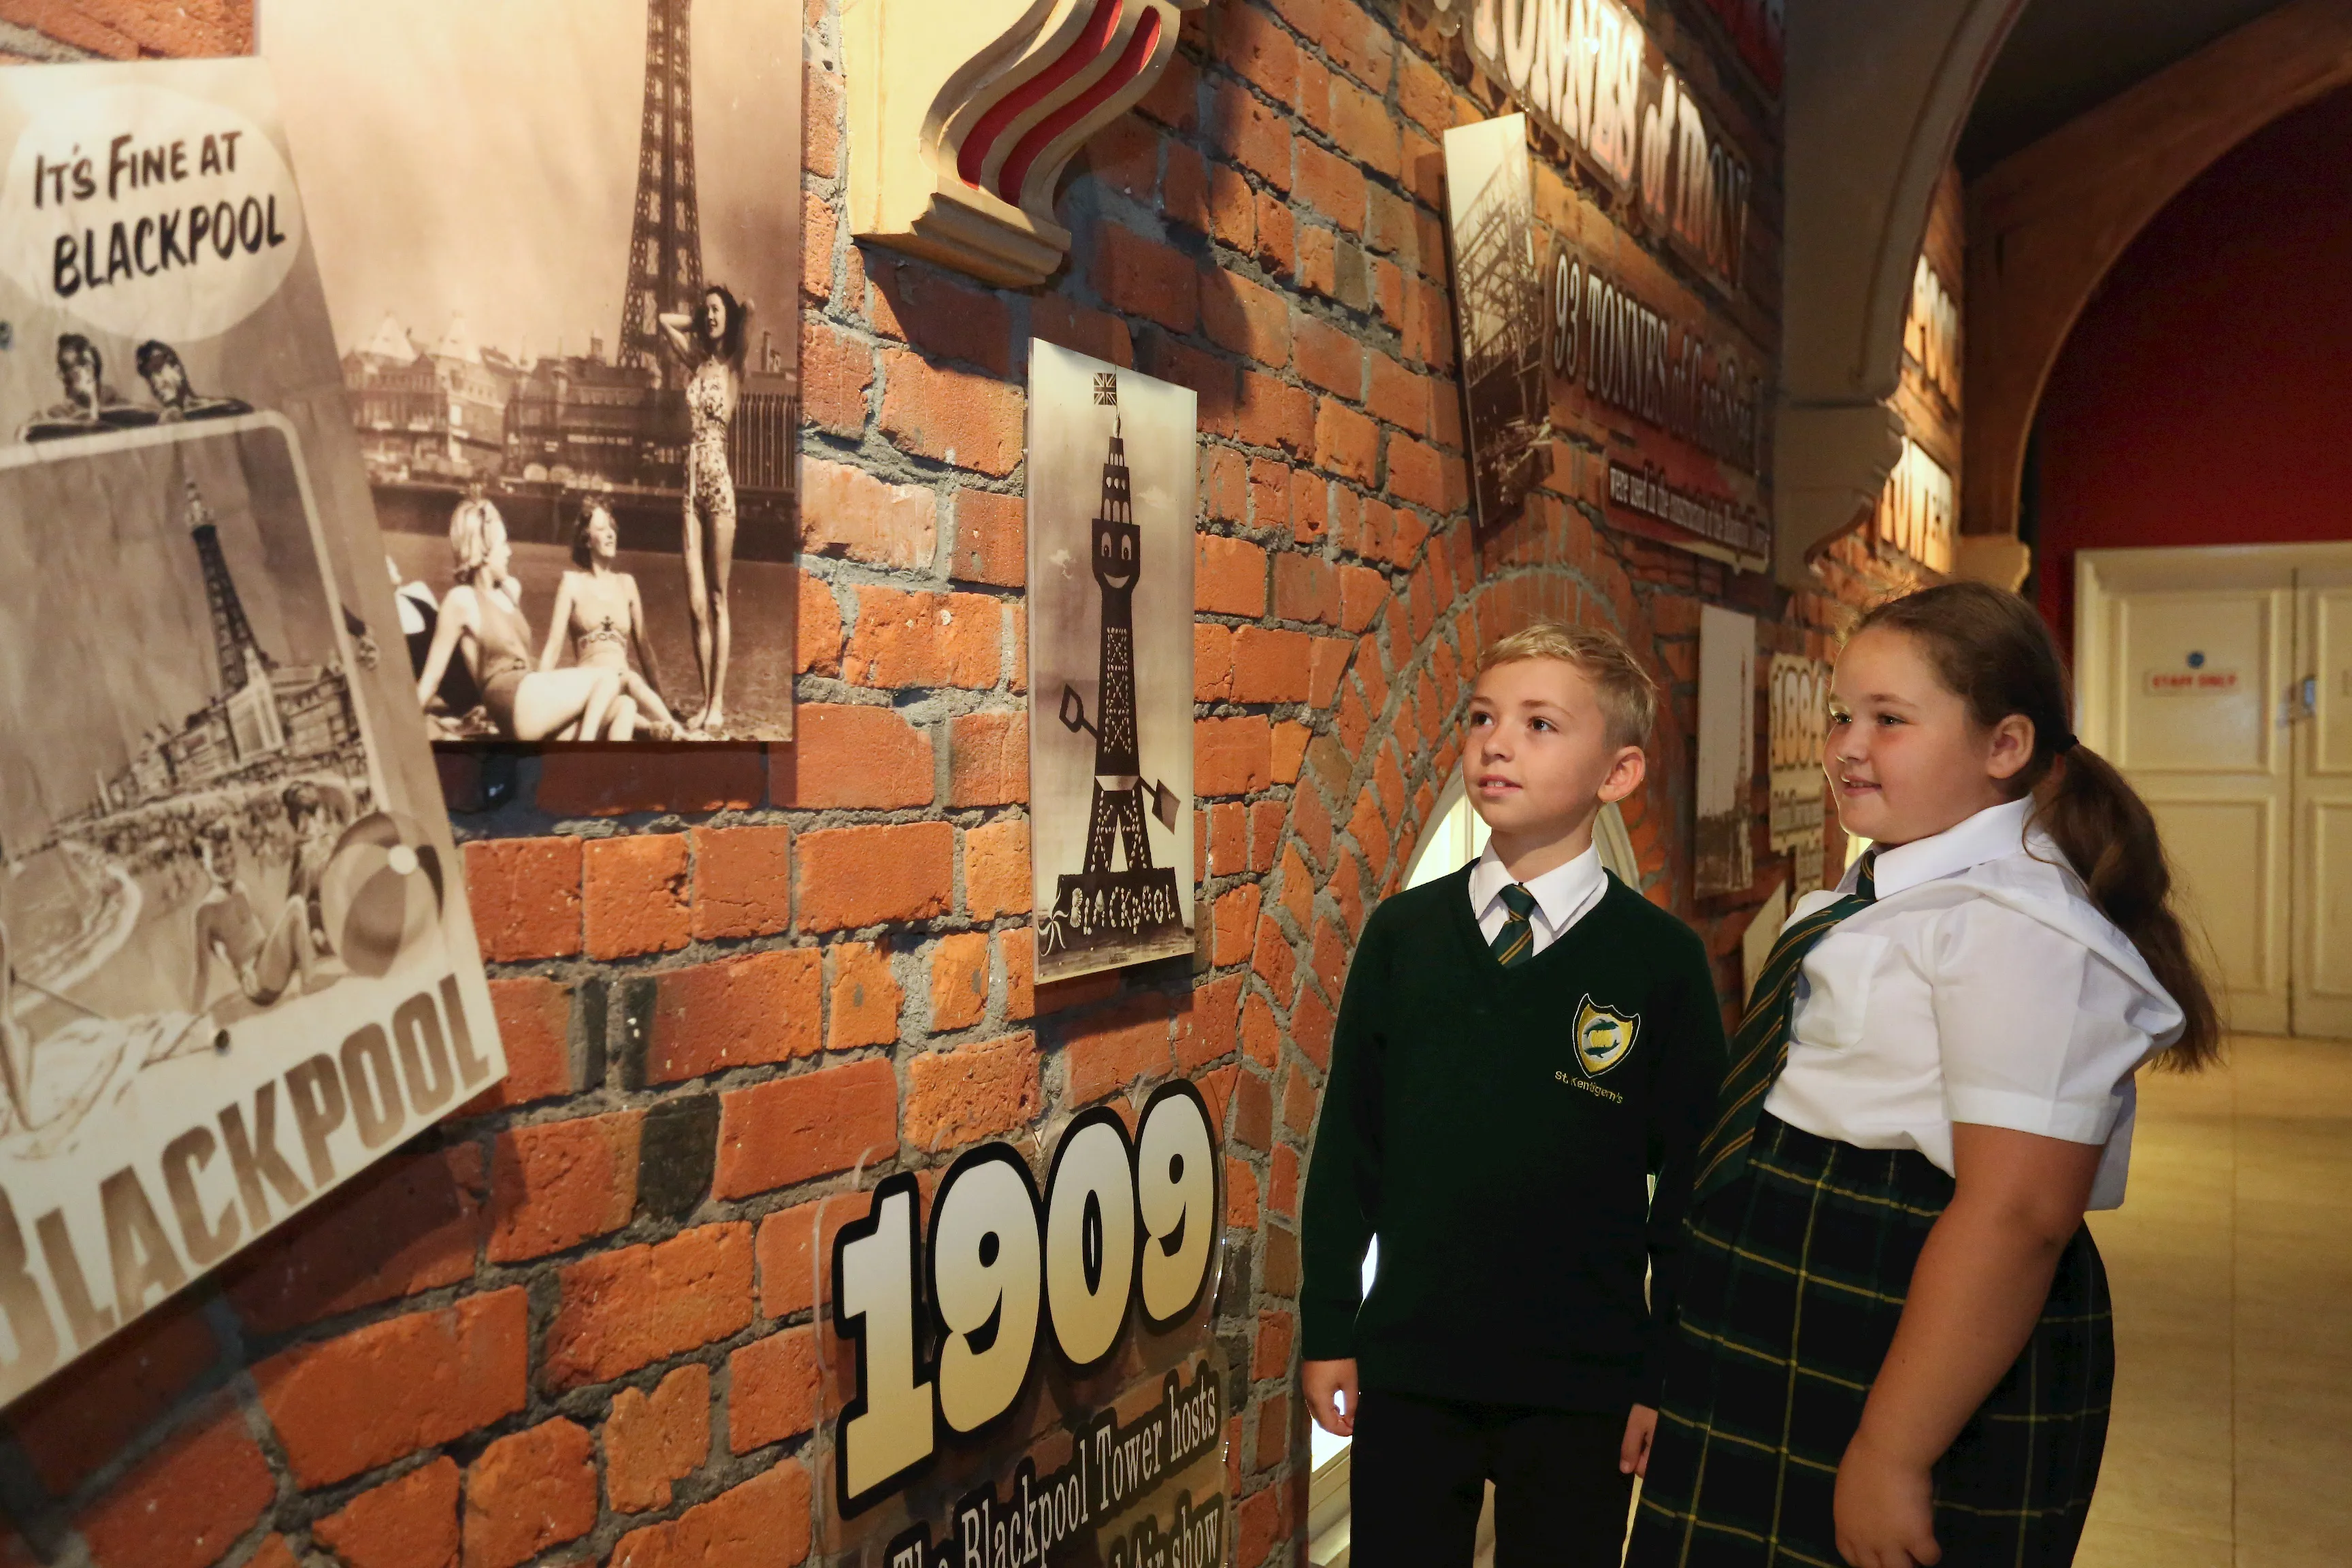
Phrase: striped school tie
(1761, 1049)
(1516, 942)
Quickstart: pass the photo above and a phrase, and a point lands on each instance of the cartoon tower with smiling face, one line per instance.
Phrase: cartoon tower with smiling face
(1109, 904)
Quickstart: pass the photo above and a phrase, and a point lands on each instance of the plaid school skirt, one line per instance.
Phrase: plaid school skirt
(1797, 1276)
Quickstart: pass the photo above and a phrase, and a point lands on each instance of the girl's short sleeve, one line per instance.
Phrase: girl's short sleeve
(2038, 1032)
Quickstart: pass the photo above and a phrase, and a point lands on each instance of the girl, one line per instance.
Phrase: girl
(599, 606)
(1896, 1345)
(710, 342)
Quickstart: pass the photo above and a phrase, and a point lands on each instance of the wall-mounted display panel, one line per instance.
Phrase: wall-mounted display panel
(1724, 854)
(1112, 481)
(1656, 202)
(1499, 312)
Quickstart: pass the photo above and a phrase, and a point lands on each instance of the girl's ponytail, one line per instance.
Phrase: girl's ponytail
(1990, 649)
(2109, 836)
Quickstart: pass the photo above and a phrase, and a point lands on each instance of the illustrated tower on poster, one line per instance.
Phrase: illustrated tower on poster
(1136, 901)
(235, 647)
(666, 240)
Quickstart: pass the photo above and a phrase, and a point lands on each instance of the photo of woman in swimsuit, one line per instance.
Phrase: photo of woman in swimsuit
(712, 341)
(598, 606)
(479, 622)
(269, 957)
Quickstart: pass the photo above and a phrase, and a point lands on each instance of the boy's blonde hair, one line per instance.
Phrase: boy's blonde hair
(1629, 698)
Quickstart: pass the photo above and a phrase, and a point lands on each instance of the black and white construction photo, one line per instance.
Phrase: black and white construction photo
(1112, 477)
(560, 249)
(1499, 312)
(1724, 854)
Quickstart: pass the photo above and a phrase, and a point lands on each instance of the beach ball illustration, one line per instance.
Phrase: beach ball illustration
(381, 892)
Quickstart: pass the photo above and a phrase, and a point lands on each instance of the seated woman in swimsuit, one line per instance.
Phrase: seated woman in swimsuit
(601, 608)
(479, 623)
(264, 960)
(316, 816)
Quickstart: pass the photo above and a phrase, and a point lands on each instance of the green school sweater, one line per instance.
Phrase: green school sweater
(1495, 1129)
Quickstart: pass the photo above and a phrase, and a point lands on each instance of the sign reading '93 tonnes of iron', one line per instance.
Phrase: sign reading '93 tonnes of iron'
(1655, 333)
(1006, 1407)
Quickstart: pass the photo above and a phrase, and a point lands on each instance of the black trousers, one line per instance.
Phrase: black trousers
(1418, 1474)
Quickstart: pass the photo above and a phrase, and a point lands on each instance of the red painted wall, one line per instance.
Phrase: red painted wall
(2205, 396)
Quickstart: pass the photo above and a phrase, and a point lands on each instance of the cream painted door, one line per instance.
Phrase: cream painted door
(2321, 710)
(2183, 662)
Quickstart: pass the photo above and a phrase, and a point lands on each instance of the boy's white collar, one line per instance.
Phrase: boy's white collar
(1559, 892)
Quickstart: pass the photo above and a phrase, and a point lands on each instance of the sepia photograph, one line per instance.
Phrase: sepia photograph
(1725, 856)
(561, 250)
(1112, 479)
(1499, 312)
(207, 880)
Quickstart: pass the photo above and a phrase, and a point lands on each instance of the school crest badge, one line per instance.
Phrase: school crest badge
(1602, 1037)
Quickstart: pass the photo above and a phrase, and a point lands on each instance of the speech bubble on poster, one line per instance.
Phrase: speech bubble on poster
(143, 211)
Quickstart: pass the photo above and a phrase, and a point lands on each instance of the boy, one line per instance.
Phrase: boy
(1521, 1046)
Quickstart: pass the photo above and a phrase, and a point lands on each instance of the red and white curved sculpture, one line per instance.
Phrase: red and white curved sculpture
(962, 114)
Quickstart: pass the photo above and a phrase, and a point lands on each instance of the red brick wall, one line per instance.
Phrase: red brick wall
(576, 1321)
(125, 29)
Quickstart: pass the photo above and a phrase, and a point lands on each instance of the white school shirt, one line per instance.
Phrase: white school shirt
(1982, 986)
(1564, 895)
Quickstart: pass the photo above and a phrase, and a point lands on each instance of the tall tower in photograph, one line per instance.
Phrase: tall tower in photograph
(1103, 906)
(666, 237)
(248, 700)
(235, 647)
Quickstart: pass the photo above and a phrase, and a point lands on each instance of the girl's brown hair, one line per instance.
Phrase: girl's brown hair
(1990, 649)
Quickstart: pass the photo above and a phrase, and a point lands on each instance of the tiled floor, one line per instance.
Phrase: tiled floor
(2231, 1264)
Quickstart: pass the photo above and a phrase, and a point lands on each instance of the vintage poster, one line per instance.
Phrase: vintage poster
(1726, 750)
(1798, 735)
(1030, 1380)
(561, 244)
(1112, 473)
(1499, 312)
(235, 963)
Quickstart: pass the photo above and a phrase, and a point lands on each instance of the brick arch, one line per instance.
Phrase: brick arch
(2048, 223)
(1393, 735)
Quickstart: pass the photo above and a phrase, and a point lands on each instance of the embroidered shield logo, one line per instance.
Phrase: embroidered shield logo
(1602, 1037)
